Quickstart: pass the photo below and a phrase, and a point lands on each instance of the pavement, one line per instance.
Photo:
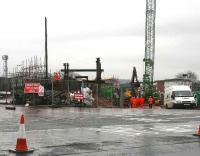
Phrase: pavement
(102, 131)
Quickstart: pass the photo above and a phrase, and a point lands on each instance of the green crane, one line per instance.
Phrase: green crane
(149, 47)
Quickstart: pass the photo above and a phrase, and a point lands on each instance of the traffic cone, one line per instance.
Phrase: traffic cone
(21, 146)
(198, 132)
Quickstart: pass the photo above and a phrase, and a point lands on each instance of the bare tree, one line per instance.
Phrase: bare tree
(188, 75)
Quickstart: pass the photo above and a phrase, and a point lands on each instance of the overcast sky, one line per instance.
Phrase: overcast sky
(79, 31)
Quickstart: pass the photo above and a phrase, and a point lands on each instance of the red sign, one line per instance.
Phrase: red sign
(41, 91)
(56, 77)
(78, 96)
(31, 87)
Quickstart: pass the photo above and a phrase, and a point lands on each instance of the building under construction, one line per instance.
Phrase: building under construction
(56, 90)
(33, 70)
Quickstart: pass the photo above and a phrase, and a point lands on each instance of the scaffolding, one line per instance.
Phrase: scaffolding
(31, 68)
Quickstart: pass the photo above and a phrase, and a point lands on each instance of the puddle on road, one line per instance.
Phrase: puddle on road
(80, 148)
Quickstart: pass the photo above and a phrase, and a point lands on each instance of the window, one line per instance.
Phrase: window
(182, 93)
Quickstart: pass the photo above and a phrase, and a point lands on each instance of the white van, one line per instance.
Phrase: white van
(178, 96)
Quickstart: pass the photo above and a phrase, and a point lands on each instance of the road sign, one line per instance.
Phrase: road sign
(41, 91)
(78, 96)
(56, 77)
(31, 87)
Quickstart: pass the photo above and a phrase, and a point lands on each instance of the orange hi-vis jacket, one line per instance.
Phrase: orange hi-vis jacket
(150, 100)
(141, 100)
(137, 101)
(133, 102)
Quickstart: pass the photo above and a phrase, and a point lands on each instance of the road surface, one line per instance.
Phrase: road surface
(102, 131)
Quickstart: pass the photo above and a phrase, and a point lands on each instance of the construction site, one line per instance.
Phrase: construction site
(67, 112)
(31, 82)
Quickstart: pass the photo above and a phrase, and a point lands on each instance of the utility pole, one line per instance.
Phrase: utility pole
(5, 72)
(149, 47)
(46, 51)
(98, 79)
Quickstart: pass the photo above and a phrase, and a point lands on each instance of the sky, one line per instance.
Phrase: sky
(79, 31)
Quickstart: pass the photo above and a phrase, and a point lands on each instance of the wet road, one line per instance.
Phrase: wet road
(99, 131)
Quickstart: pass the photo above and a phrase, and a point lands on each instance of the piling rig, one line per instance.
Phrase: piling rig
(149, 47)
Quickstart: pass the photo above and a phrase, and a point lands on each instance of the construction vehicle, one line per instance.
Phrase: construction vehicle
(135, 84)
(131, 89)
(149, 47)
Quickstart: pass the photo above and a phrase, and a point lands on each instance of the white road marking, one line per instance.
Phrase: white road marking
(138, 130)
(189, 117)
(147, 119)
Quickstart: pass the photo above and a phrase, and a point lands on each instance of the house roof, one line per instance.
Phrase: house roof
(175, 79)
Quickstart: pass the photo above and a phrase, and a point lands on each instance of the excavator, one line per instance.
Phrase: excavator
(135, 84)
(131, 89)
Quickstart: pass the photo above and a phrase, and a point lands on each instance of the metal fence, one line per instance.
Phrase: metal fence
(66, 92)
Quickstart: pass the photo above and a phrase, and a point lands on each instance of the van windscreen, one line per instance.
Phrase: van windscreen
(182, 93)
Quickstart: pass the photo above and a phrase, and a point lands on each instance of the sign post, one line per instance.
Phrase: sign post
(52, 99)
